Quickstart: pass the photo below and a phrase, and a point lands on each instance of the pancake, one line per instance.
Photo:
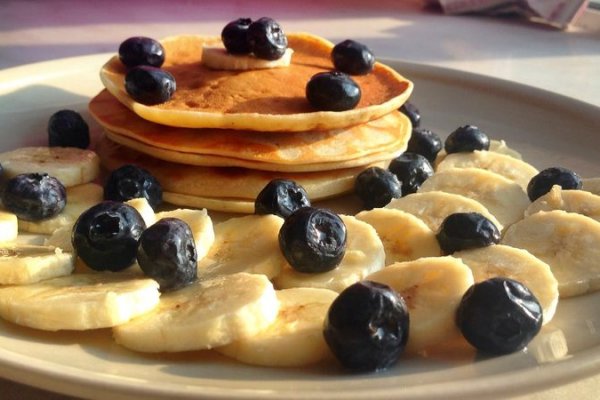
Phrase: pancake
(379, 139)
(257, 100)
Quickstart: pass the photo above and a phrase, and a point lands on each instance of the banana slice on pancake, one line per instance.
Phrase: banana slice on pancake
(364, 255)
(575, 201)
(22, 264)
(217, 57)
(569, 243)
(432, 288)
(404, 236)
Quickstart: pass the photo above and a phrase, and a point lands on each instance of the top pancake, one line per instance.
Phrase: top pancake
(257, 100)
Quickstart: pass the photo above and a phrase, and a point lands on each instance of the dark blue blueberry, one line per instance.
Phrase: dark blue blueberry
(499, 316)
(376, 187)
(132, 182)
(462, 231)
(412, 112)
(266, 38)
(140, 50)
(149, 85)
(366, 326)
(466, 139)
(106, 235)
(34, 196)
(235, 36)
(424, 142)
(167, 253)
(281, 197)
(412, 170)
(66, 128)
(541, 184)
(332, 91)
(313, 240)
(352, 57)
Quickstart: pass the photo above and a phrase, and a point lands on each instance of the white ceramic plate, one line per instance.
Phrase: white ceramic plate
(546, 128)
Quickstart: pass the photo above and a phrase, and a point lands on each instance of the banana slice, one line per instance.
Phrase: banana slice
(591, 185)
(9, 226)
(79, 302)
(70, 165)
(25, 264)
(512, 168)
(496, 146)
(576, 201)
(506, 200)
(200, 224)
(432, 288)
(433, 207)
(79, 199)
(203, 315)
(517, 264)
(144, 208)
(295, 338)
(404, 236)
(216, 57)
(245, 244)
(569, 243)
(61, 238)
(364, 255)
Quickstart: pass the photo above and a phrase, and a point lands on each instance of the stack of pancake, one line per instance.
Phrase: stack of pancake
(225, 134)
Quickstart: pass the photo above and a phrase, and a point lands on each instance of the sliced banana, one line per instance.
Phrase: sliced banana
(216, 57)
(569, 243)
(144, 208)
(364, 255)
(9, 226)
(512, 168)
(206, 314)
(505, 199)
(70, 165)
(295, 338)
(576, 201)
(404, 236)
(200, 224)
(79, 199)
(432, 288)
(433, 207)
(591, 185)
(496, 146)
(518, 264)
(24, 264)
(61, 238)
(79, 301)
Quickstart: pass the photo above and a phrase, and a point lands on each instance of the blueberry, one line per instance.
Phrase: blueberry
(34, 196)
(352, 57)
(235, 36)
(425, 142)
(332, 91)
(462, 231)
(66, 128)
(541, 184)
(281, 197)
(149, 85)
(313, 240)
(140, 50)
(499, 316)
(376, 187)
(106, 235)
(167, 253)
(266, 38)
(466, 139)
(132, 182)
(412, 112)
(412, 170)
(366, 326)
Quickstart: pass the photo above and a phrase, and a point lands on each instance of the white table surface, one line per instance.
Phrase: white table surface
(563, 62)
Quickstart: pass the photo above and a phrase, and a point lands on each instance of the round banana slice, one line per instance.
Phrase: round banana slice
(230, 205)
(203, 315)
(9, 226)
(433, 207)
(591, 185)
(200, 224)
(295, 338)
(364, 255)
(496, 146)
(245, 244)
(70, 165)
(144, 208)
(576, 201)
(24, 264)
(518, 264)
(217, 57)
(404, 236)
(569, 243)
(61, 238)
(505, 199)
(79, 302)
(432, 288)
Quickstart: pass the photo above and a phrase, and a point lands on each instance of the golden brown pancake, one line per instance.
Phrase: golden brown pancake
(258, 100)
